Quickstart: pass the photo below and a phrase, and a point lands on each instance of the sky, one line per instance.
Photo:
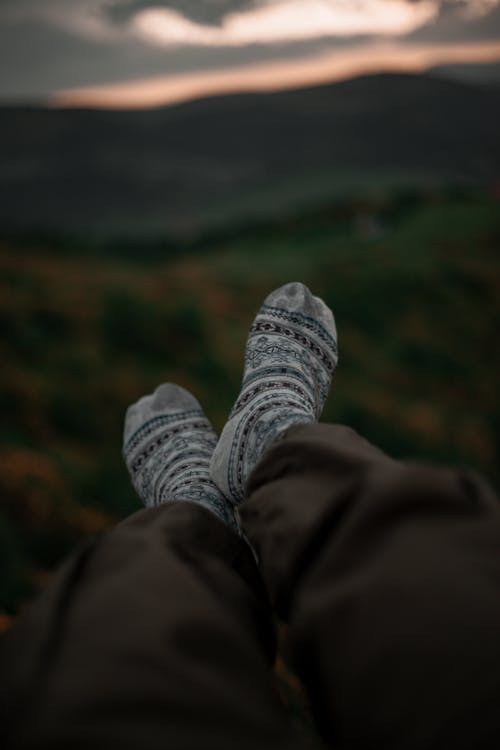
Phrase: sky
(140, 53)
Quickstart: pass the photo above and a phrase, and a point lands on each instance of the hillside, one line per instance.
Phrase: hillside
(484, 74)
(181, 169)
(413, 282)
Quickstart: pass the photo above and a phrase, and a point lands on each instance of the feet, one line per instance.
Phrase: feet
(290, 358)
(167, 446)
(169, 443)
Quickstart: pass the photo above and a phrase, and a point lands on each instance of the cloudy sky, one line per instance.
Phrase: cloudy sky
(147, 52)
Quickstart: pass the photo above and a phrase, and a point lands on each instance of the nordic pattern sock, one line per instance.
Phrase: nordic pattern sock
(290, 357)
(167, 446)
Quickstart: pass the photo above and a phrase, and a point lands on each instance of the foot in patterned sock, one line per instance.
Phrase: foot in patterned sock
(167, 446)
(290, 357)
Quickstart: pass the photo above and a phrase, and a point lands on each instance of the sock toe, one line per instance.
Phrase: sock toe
(168, 397)
(293, 296)
(296, 297)
(172, 397)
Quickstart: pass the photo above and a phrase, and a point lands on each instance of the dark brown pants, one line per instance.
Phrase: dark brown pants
(160, 634)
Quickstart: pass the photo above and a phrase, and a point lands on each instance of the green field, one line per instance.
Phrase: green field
(413, 280)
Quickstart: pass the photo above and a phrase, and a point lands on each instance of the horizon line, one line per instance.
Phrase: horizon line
(161, 91)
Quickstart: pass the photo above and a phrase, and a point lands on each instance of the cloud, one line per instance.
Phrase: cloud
(205, 12)
(213, 12)
(47, 45)
(220, 23)
(37, 58)
(461, 20)
(285, 21)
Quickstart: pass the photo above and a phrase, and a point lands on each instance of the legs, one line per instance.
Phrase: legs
(389, 576)
(158, 635)
(387, 573)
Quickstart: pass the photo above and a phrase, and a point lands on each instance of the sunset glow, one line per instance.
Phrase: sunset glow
(276, 75)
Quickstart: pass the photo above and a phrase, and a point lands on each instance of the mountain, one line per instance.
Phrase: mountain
(179, 169)
(485, 74)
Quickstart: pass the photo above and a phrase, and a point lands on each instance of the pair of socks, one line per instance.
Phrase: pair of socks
(170, 448)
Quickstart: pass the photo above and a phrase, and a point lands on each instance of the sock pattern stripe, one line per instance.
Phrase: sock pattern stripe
(279, 371)
(249, 394)
(146, 452)
(148, 481)
(190, 479)
(263, 350)
(177, 476)
(167, 469)
(240, 450)
(263, 326)
(303, 321)
(183, 466)
(197, 452)
(159, 421)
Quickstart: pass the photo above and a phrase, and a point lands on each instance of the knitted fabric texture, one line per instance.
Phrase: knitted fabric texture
(290, 357)
(168, 443)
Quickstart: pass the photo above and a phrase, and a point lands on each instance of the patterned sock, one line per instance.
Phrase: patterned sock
(289, 361)
(167, 446)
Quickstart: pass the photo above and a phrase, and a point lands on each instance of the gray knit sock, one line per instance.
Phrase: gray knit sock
(289, 361)
(167, 446)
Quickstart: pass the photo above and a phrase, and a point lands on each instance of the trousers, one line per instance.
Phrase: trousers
(161, 632)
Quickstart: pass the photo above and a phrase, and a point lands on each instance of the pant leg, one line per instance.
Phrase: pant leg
(157, 635)
(388, 574)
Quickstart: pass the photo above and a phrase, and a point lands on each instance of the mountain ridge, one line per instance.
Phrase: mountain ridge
(181, 168)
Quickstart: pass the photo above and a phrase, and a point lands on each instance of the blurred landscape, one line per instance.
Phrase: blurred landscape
(136, 247)
(179, 171)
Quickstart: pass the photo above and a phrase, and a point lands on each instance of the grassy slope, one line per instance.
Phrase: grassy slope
(415, 288)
